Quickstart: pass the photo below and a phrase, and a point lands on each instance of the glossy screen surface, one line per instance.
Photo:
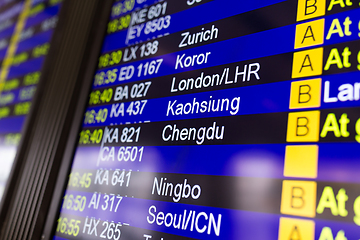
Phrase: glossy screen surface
(221, 119)
(26, 28)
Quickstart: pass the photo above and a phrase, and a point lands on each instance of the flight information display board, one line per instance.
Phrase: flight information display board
(26, 28)
(221, 119)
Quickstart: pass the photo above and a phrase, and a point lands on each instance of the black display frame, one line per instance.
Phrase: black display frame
(98, 34)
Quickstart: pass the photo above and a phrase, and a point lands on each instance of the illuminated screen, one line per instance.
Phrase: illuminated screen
(26, 28)
(221, 119)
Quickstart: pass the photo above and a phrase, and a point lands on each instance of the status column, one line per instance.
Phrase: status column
(301, 160)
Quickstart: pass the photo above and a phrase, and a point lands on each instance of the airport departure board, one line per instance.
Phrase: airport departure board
(26, 28)
(221, 119)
